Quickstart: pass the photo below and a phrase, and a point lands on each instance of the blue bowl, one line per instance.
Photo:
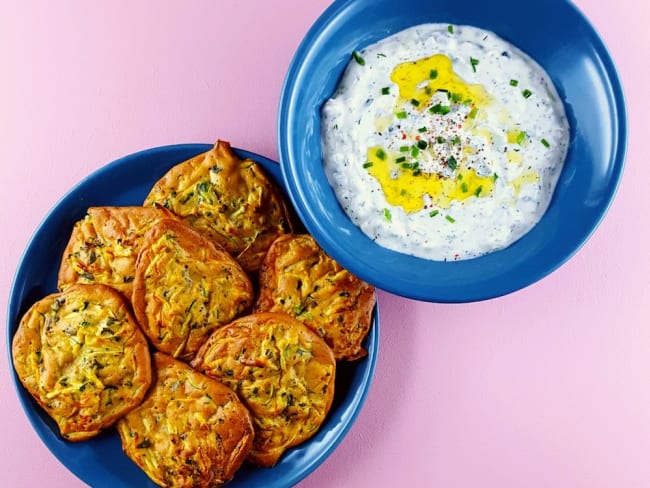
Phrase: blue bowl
(100, 461)
(557, 36)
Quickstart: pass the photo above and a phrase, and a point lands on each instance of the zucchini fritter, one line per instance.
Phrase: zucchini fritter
(230, 200)
(82, 356)
(190, 431)
(299, 279)
(281, 370)
(186, 286)
(104, 246)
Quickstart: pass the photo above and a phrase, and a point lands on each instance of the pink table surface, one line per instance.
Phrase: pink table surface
(547, 387)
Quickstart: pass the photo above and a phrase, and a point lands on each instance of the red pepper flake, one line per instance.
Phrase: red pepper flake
(417, 138)
(403, 135)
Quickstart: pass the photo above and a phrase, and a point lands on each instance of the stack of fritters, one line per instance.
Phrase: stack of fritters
(227, 384)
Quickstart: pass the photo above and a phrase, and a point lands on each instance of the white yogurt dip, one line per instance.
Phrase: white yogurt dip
(444, 142)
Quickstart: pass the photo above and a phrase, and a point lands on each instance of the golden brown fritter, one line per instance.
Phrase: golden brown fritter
(190, 431)
(299, 279)
(281, 370)
(230, 200)
(104, 246)
(186, 286)
(82, 356)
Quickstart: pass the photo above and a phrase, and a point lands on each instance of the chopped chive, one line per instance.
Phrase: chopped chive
(415, 103)
(521, 137)
(463, 187)
(422, 129)
(427, 90)
(404, 149)
(450, 29)
(453, 164)
(455, 140)
(409, 165)
(400, 115)
(367, 165)
(381, 154)
(472, 113)
(422, 144)
(417, 172)
(526, 93)
(385, 90)
(401, 159)
(545, 143)
(478, 191)
(433, 74)
(495, 176)
(415, 151)
(440, 139)
(357, 57)
(514, 82)
(440, 109)
(433, 213)
(473, 62)
(450, 218)
(459, 177)
(387, 215)
(456, 97)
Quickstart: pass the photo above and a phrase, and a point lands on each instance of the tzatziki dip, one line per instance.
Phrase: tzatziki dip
(444, 142)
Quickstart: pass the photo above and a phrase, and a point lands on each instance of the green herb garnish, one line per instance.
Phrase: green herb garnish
(453, 164)
(526, 93)
(433, 213)
(514, 82)
(450, 219)
(385, 90)
(357, 57)
(400, 115)
(545, 143)
(422, 144)
(381, 154)
(473, 62)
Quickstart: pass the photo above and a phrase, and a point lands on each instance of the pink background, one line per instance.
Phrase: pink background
(548, 387)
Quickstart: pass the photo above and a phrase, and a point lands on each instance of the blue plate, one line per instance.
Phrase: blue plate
(100, 462)
(556, 35)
